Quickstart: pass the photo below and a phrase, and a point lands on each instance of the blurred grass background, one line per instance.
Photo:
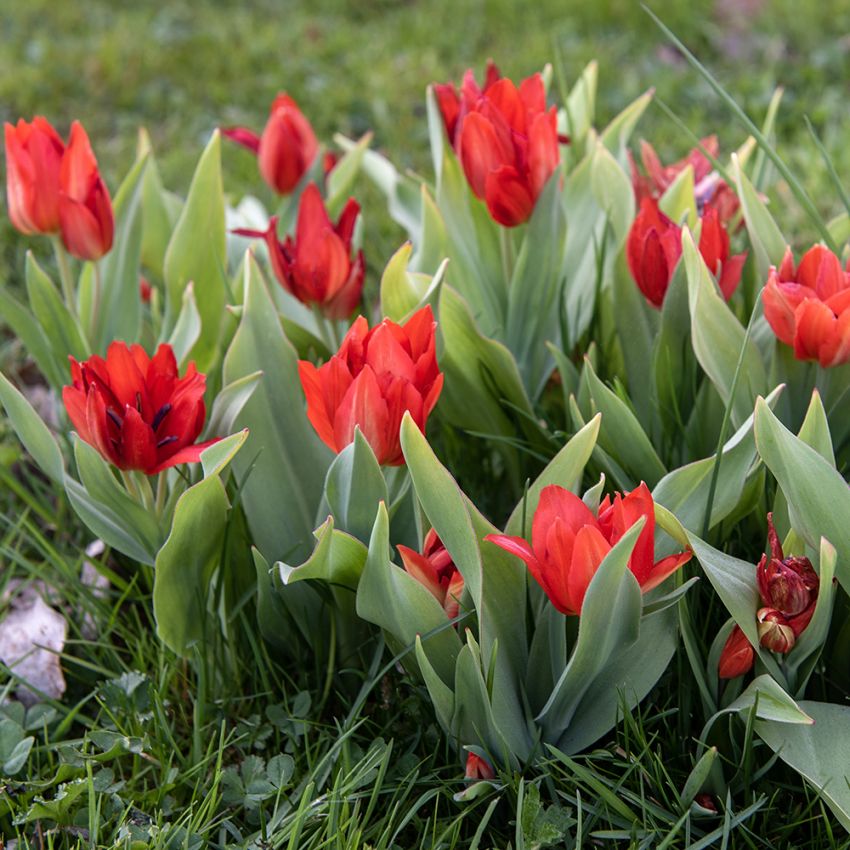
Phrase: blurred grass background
(183, 67)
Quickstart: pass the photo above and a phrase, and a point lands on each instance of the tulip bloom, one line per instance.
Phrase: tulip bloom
(435, 570)
(809, 307)
(85, 210)
(287, 147)
(33, 161)
(654, 246)
(317, 267)
(371, 381)
(478, 768)
(569, 543)
(135, 409)
(736, 657)
(506, 140)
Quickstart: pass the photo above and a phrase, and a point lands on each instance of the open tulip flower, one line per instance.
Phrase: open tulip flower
(506, 140)
(809, 307)
(317, 267)
(654, 246)
(435, 570)
(568, 543)
(85, 210)
(371, 381)
(33, 162)
(287, 147)
(136, 410)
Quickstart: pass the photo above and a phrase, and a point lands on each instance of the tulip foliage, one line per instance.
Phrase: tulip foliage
(589, 380)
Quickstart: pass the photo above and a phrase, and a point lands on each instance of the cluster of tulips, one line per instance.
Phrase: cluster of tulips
(468, 345)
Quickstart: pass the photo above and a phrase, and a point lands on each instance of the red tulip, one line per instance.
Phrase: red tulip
(737, 655)
(286, 148)
(569, 543)
(371, 381)
(85, 210)
(790, 585)
(135, 409)
(775, 632)
(33, 161)
(809, 307)
(436, 570)
(506, 140)
(478, 768)
(316, 267)
(654, 246)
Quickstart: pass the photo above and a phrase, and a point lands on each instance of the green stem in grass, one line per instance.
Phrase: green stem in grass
(95, 301)
(724, 426)
(65, 276)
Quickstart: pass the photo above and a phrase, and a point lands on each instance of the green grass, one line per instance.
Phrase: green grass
(245, 752)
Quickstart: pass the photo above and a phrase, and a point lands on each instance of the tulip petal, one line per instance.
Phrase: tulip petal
(663, 569)
(420, 568)
(508, 196)
(138, 447)
(558, 503)
(481, 151)
(318, 411)
(363, 406)
(589, 550)
(543, 153)
(242, 136)
(730, 276)
(815, 324)
(188, 454)
(780, 305)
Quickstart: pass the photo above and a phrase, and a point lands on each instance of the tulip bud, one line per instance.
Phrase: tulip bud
(737, 655)
(789, 585)
(478, 768)
(435, 570)
(775, 633)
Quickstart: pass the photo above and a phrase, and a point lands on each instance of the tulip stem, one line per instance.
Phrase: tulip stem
(161, 492)
(506, 247)
(95, 301)
(325, 333)
(65, 276)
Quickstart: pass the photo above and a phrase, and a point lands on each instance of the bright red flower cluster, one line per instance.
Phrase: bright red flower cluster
(505, 138)
(654, 246)
(569, 543)
(809, 307)
(51, 188)
(435, 569)
(287, 147)
(317, 267)
(789, 590)
(135, 409)
(371, 381)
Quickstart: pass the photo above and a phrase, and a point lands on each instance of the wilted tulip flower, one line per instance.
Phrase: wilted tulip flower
(287, 147)
(569, 543)
(136, 410)
(435, 569)
(736, 657)
(506, 140)
(317, 267)
(33, 162)
(809, 307)
(654, 246)
(371, 381)
(85, 210)
(478, 768)
(775, 633)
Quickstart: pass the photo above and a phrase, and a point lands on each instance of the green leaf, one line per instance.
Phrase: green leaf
(621, 435)
(196, 253)
(32, 431)
(187, 328)
(771, 703)
(766, 238)
(33, 339)
(287, 464)
(718, 338)
(216, 457)
(678, 202)
(403, 291)
(609, 624)
(698, 777)
(229, 402)
(185, 564)
(343, 174)
(818, 497)
(61, 328)
(354, 488)
(338, 559)
(160, 211)
(819, 752)
(120, 304)
(391, 598)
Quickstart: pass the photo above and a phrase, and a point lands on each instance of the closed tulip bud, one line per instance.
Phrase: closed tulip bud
(85, 210)
(435, 570)
(569, 542)
(714, 247)
(136, 410)
(286, 148)
(809, 307)
(653, 249)
(317, 267)
(737, 655)
(33, 161)
(775, 633)
(478, 768)
(376, 376)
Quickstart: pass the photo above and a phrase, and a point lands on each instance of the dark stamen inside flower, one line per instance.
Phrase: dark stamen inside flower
(116, 419)
(166, 441)
(139, 402)
(160, 415)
